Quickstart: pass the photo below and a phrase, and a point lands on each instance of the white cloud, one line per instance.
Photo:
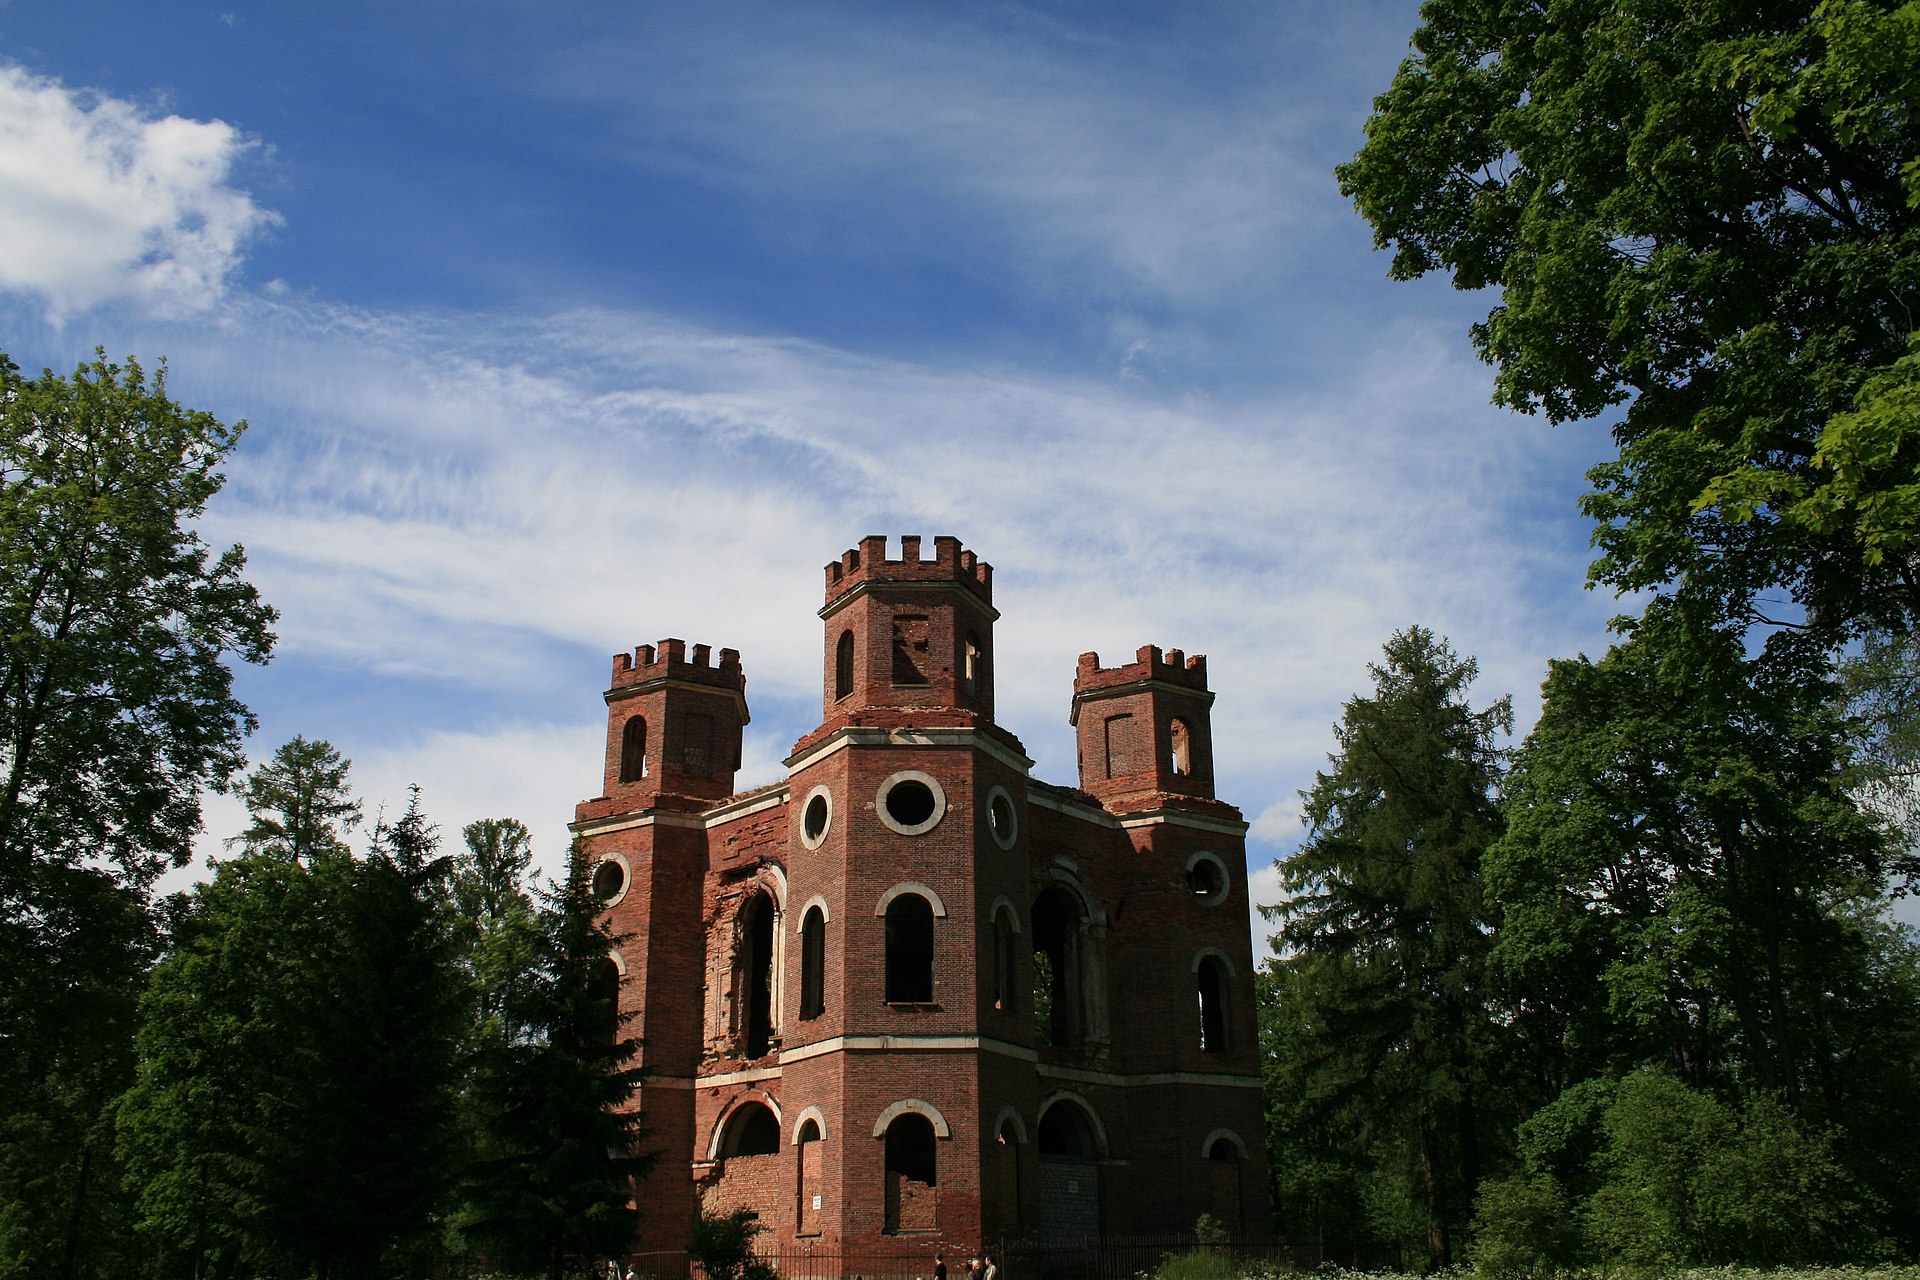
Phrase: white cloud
(445, 506)
(102, 201)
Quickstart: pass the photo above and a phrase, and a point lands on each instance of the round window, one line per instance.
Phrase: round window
(1003, 822)
(911, 802)
(1207, 878)
(609, 880)
(816, 817)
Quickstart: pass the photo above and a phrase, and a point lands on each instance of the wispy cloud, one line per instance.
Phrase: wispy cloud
(448, 503)
(1082, 166)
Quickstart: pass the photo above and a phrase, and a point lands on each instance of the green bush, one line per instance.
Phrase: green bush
(723, 1246)
(1524, 1226)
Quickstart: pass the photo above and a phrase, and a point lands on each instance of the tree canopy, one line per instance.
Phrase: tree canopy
(1704, 215)
(117, 627)
(1383, 942)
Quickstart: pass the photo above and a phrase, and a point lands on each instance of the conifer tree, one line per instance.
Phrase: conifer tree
(562, 1146)
(1388, 927)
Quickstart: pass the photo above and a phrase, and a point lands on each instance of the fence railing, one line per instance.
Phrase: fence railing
(1035, 1258)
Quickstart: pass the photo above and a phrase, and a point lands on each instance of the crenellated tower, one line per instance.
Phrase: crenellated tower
(1143, 728)
(909, 633)
(673, 725)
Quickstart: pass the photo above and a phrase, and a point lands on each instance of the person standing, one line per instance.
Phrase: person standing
(939, 1267)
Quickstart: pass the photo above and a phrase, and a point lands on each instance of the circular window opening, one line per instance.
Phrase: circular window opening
(910, 803)
(815, 822)
(609, 878)
(1207, 879)
(1001, 819)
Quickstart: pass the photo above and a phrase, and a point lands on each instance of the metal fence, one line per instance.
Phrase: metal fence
(1030, 1258)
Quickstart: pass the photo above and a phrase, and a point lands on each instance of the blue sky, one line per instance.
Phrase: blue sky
(566, 328)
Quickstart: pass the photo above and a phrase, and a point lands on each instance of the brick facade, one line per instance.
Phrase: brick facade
(912, 992)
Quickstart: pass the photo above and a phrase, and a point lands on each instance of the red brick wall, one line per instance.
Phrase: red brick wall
(696, 862)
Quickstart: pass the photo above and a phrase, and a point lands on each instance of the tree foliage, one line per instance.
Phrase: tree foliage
(1386, 931)
(1704, 215)
(116, 702)
(559, 1148)
(116, 710)
(303, 1040)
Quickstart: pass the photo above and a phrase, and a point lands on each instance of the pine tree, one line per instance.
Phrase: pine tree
(562, 1146)
(1387, 925)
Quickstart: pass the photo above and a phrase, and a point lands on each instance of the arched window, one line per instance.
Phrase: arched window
(807, 1183)
(843, 666)
(1211, 979)
(909, 950)
(1003, 970)
(753, 975)
(752, 1130)
(912, 1175)
(1056, 921)
(1180, 734)
(1066, 1133)
(974, 669)
(633, 749)
(604, 993)
(813, 963)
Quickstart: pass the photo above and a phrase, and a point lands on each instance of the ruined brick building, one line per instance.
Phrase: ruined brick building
(912, 990)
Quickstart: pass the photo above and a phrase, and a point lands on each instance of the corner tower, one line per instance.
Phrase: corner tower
(673, 725)
(1144, 729)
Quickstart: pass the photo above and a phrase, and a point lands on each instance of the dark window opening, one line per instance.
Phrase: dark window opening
(1065, 1133)
(1212, 986)
(1205, 880)
(813, 964)
(1223, 1150)
(755, 977)
(1180, 735)
(843, 666)
(1003, 985)
(912, 1175)
(807, 1184)
(910, 802)
(1000, 818)
(609, 878)
(910, 950)
(974, 669)
(752, 1130)
(603, 994)
(633, 749)
(911, 643)
(1056, 923)
(814, 823)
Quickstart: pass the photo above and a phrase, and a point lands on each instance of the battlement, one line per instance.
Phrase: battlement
(670, 660)
(868, 563)
(1174, 667)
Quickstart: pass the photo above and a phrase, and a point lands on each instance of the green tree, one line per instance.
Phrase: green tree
(298, 803)
(1387, 925)
(233, 994)
(304, 1039)
(1704, 214)
(1685, 883)
(116, 710)
(561, 1142)
(498, 925)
